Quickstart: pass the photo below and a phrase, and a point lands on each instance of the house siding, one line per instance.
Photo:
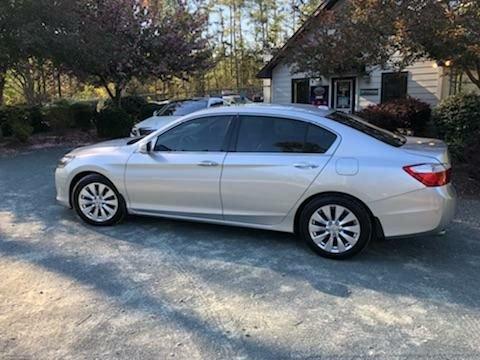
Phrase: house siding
(281, 86)
(425, 82)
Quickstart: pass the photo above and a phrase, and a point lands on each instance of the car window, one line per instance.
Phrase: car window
(181, 108)
(361, 125)
(204, 134)
(318, 139)
(270, 134)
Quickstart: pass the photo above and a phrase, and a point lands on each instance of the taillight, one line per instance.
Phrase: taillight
(430, 174)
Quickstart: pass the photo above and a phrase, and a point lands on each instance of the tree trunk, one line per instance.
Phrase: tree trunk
(3, 74)
(118, 96)
(474, 79)
(59, 84)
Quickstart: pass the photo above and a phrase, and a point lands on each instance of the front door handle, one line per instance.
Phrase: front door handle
(207, 163)
(305, 166)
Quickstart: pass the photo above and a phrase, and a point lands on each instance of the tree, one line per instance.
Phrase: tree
(394, 34)
(111, 42)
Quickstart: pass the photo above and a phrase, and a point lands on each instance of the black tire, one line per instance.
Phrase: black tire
(351, 205)
(120, 211)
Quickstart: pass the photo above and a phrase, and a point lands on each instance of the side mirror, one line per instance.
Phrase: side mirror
(146, 148)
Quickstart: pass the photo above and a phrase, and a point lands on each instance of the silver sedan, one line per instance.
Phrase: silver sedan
(329, 177)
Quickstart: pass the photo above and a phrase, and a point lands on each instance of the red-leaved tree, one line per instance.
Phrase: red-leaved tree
(110, 42)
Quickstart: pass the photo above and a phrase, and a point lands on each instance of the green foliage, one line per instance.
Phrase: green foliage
(132, 105)
(37, 120)
(458, 121)
(113, 122)
(406, 113)
(21, 129)
(148, 110)
(15, 121)
(59, 116)
(83, 114)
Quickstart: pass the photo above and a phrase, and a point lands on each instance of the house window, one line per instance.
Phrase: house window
(394, 86)
(301, 91)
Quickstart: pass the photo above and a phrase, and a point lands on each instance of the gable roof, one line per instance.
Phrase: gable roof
(266, 71)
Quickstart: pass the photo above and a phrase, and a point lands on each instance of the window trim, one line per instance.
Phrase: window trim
(238, 120)
(226, 141)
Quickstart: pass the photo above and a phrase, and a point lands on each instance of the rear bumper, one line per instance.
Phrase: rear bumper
(420, 212)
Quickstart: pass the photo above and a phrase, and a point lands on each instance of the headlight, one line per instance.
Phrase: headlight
(65, 160)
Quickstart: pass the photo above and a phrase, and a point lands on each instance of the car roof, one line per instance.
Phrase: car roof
(267, 109)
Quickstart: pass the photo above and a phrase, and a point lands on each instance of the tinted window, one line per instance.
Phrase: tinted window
(205, 134)
(361, 125)
(318, 140)
(268, 134)
(181, 108)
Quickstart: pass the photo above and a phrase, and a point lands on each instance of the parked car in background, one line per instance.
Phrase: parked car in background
(172, 111)
(329, 177)
(235, 99)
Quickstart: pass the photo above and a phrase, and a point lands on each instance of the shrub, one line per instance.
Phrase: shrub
(83, 115)
(148, 110)
(113, 123)
(37, 120)
(397, 114)
(5, 129)
(59, 116)
(132, 105)
(458, 121)
(15, 121)
(21, 129)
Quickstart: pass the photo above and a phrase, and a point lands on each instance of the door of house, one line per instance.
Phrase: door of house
(301, 91)
(344, 94)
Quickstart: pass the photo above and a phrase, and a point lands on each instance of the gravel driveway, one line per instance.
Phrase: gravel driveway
(157, 289)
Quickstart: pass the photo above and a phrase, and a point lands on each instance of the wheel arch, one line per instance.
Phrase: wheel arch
(80, 176)
(378, 229)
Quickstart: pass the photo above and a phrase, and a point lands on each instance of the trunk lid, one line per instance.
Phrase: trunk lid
(433, 148)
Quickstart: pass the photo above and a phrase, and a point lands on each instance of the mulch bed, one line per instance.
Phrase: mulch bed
(74, 138)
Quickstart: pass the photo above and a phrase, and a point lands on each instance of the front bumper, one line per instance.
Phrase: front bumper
(62, 187)
(424, 211)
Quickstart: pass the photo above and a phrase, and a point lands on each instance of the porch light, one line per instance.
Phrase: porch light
(446, 63)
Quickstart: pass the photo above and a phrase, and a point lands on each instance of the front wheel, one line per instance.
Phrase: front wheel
(97, 202)
(336, 227)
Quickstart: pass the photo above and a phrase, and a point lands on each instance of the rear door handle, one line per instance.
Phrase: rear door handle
(305, 166)
(207, 163)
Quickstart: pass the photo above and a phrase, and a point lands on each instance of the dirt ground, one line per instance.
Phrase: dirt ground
(157, 289)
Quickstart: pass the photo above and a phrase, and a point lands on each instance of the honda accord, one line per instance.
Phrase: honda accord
(331, 178)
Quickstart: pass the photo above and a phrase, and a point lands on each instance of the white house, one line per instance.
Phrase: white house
(424, 80)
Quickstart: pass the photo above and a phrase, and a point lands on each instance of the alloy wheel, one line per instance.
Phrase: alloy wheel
(98, 202)
(334, 228)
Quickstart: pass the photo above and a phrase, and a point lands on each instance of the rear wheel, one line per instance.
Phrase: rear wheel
(335, 226)
(97, 202)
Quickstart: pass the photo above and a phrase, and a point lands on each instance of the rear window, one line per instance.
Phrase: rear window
(361, 125)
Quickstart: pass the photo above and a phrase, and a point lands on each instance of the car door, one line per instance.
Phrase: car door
(272, 165)
(181, 176)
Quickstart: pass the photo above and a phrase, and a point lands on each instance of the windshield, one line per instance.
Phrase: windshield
(361, 125)
(181, 108)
